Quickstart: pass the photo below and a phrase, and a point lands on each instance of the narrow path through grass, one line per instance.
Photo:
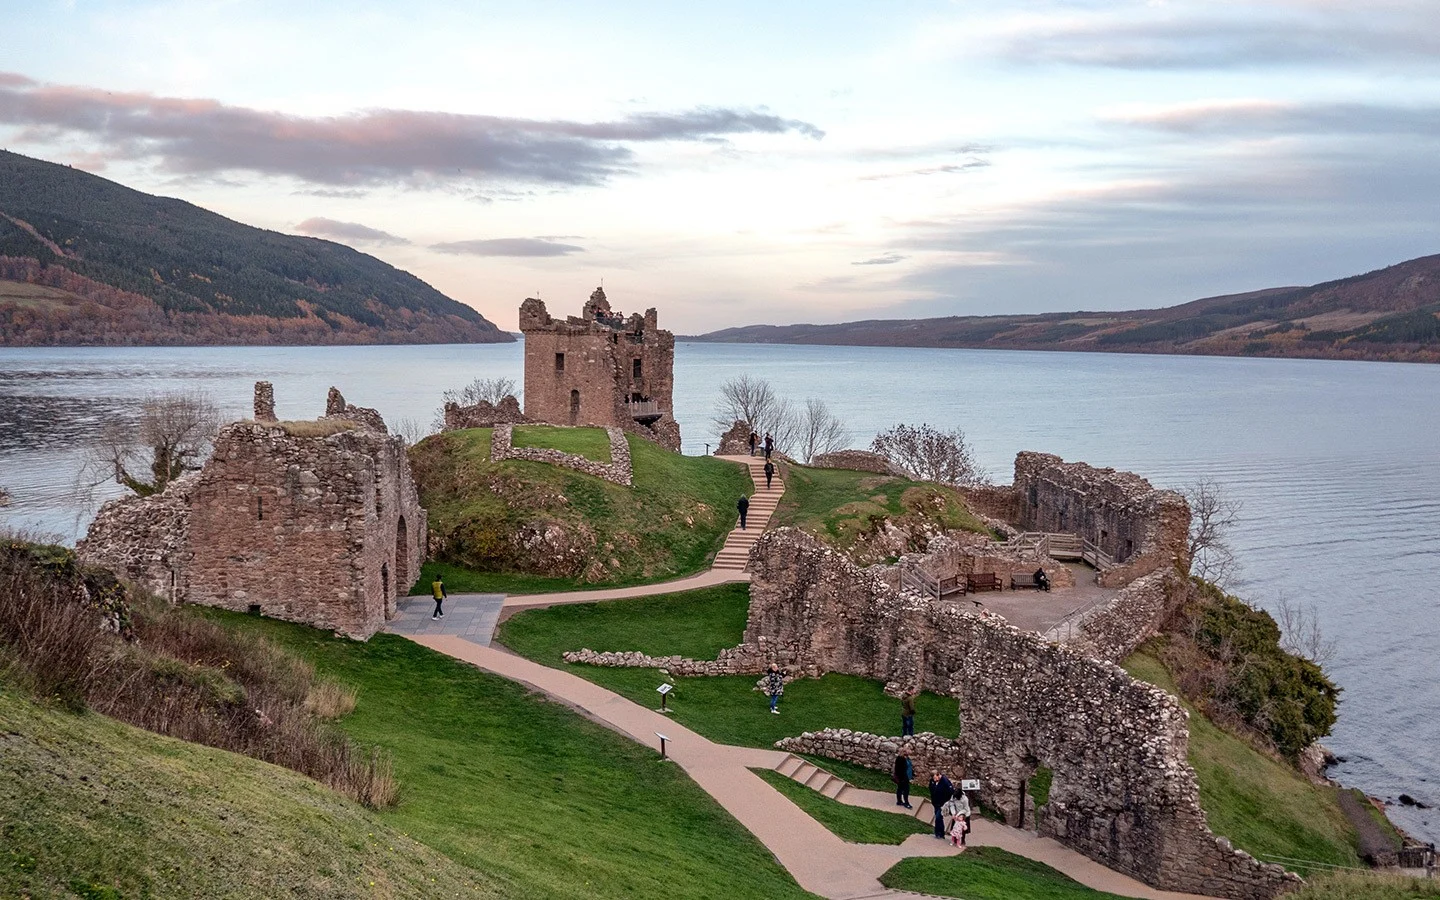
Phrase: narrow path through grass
(855, 824)
(987, 873)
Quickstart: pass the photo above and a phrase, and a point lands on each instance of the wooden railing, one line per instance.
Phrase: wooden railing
(1096, 557)
(1058, 545)
(645, 409)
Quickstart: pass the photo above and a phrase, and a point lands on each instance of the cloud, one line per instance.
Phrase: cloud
(947, 169)
(198, 136)
(887, 259)
(1269, 117)
(347, 232)
(1218, 36)
(508, 247)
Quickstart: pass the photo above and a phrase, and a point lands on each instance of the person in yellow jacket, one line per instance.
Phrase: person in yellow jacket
(437, 587)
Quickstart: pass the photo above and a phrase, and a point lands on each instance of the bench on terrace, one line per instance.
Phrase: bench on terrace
(1020, 580)
(983, 581)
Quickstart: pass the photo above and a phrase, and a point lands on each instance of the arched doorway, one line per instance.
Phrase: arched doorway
(574, 407)
(402, 557)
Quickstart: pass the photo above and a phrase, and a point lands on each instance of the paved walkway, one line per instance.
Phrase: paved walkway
(471, 616)
(819, 861)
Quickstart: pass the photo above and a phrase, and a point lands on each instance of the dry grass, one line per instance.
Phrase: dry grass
(180, 676)
(1367, 886)
(316, 427)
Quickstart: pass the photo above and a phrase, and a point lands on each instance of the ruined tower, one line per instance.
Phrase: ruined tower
(600, 368)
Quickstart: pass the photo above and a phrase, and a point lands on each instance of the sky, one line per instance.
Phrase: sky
(748, 162)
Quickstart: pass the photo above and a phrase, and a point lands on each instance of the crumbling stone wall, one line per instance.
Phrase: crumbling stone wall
(1142, 529)
(618, 470)
(742, 660)
(735, 441)
(337, 408)
(587, 370)
(928, 751)
(990, 501)
(858, 460)
(309, 525)
(1112, 630)
(1122, 791)
(961, 553)
(483, 414)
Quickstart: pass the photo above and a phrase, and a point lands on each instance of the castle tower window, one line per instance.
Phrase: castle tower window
(635, 369)
(559, 363)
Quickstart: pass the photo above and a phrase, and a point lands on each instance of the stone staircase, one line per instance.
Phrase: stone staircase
(735, 555)
(812, 776)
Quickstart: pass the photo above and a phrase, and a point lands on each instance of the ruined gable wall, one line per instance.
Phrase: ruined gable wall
(1112, 630)
(1122, 791)
(1140, 528)
(145, 540)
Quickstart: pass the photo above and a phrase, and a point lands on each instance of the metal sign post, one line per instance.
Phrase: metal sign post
(663, 739)
(664, 692)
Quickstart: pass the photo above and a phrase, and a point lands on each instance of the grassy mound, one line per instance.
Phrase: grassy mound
(524, 527)
(724, 708)
(844, 507)
(1263, 805)
(855, 824)
(498, 778)
(591, 443)
(987, 873)
(91, 807)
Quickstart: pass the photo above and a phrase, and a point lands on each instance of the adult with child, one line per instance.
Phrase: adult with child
(957, 811)
(775, 686)
(941, 790)
(902, 775)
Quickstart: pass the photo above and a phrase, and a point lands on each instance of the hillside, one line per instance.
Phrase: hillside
(1389, 314)
(86, 261)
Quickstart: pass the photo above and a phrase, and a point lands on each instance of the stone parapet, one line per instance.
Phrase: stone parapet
(1112, 630)
(857, 460)
(483, 414)
(617, 471)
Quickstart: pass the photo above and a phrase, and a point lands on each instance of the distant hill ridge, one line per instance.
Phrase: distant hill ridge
(84, 260)
(1389, 314)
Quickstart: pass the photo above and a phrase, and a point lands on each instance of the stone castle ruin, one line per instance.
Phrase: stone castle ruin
(600, 368)
(316, 522)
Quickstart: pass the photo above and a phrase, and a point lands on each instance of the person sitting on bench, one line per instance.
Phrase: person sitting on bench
(1042, 581)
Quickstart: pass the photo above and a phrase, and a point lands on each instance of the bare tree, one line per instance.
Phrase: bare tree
(1212, 516)
(411, 430)
(172, 436)
(490, 390)
(817, 430)
(753, 400)
(1300, 632)
(930, 454)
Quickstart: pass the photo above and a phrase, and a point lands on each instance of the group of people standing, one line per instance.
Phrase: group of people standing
(952, 806)
(743, 504)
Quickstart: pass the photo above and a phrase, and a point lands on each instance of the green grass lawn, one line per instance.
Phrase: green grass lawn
(667, 525)
(91, 807)
(857, 776)
(500, 779)
(839, 504)
(987, 873)
(1261, 804)
(591, 443)
(855, 824)
(724, 708)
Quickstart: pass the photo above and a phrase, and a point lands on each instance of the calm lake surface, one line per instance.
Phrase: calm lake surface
(1336, 464)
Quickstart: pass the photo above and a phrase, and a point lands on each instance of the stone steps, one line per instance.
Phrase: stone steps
(833, 786)
(734, 556)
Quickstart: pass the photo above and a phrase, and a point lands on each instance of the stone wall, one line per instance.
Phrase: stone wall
(735, 441)
(1122, 791)
(858, 460)
(1112, 630)
(991, 501)
(960, 553)
(1142, 529)
(586, 370)
(928, 751)
(742, 660)
(618, 470)
(483, 414)
(337, 408)
(306, 524)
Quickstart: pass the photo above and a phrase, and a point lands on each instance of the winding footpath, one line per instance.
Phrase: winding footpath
(818, 860)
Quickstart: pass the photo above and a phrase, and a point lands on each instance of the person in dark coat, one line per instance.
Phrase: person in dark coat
(941, 790)
(775, 687)
(907, 713)
(769, 445)
(769, 473)
(1042, 580)
(743, 504)
(754, 442)
(902, 776)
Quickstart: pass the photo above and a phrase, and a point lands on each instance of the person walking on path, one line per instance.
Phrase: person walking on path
(754, 440)
(907, 714)
(769, 473)
(769, 445)
(957, 810)
(941, 790)
(902, 776)
(437, 588)
(743, 504)
(775, 686)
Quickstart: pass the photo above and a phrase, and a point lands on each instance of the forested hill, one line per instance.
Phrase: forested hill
(1389, 314)
(87, 261)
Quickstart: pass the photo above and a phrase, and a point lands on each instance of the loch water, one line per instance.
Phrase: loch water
(1336, 464)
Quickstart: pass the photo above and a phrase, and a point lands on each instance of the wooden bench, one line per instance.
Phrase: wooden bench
(984, 581)
(955, 584)
(1020, 580)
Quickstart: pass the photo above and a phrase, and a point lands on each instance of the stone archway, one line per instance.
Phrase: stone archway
(402, 556)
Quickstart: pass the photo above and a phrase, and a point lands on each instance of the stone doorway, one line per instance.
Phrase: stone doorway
(574, 407)
(385, 582)
(402, 557)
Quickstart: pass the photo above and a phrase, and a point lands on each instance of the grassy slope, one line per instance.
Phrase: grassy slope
(669, 524)
(1261, 804)
(79, 796)
(499, 778)
(987, 873)
(838, 504)
(591, 443)
(849, 823)
(724, 708)
(1367, 886)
